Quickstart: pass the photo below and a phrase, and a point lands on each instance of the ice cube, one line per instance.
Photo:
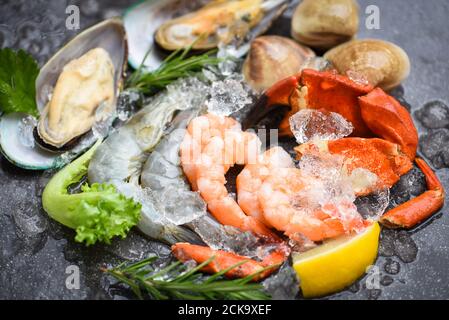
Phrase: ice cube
(327, 187)
(434, 115)
(434, 145)
(127, 104)
(227, 238)
(180, 206)
(310, 124)
(228, 63)
(284, 285)
(26, 129)
(374, 205)
(29, 221)
(316, 63)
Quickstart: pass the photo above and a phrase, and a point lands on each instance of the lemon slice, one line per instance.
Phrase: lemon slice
(337, 263)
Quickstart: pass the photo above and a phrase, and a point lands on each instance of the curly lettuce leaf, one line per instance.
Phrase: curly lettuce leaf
(18, 73)
(98, 213)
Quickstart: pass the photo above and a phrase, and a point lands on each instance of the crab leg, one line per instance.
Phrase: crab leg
(410, 213)
(224, 260)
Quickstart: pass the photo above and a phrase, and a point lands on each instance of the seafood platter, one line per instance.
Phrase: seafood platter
(264, 163)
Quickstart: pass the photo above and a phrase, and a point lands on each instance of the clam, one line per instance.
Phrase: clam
(272, 58)
(219, 22)
(381, 63)
(75, 89)
(325, 23)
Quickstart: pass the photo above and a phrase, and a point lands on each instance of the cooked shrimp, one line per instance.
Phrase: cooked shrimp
(252, 177)
(285, 211)
(210, 147)
(269, 190)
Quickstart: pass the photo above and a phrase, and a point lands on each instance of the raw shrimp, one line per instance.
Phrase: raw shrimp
(122, 154)
(174, 199)
(121, 157)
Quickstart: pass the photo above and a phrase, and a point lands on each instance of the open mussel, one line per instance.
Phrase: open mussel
(156, 27)
(84, 79)
(75, 90)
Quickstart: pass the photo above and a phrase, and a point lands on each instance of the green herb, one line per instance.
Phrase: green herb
(18, 73)
(98, 213)
(177, 65)
(176, 281)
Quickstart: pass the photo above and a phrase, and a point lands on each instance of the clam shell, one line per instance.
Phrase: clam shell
(325, 23)
(381, 63)
(273, 58)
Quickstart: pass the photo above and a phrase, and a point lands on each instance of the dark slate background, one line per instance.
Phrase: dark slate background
(35, 251)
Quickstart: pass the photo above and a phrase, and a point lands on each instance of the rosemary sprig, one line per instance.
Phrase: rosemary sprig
(176, 281)
(176, 65)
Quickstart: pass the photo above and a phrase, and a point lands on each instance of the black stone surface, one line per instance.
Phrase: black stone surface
(35, 251)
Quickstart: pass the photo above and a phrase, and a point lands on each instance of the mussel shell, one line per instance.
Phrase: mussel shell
(50, 148)
(30, 158)
(250, 22)
(141, 22)
(325, 23)
(272, 58)
(109, 35)
(380, 62)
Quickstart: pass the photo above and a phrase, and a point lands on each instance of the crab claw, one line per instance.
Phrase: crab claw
(315, 90)
(388, 119)
(226, 260)
(412, 212)
(336, 93)
(282, 96)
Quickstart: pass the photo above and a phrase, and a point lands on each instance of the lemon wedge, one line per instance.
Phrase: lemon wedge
(337, 263)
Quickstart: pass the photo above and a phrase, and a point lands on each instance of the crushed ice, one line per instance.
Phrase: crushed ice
(228, 96)
(310, 124)
(357, 77)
